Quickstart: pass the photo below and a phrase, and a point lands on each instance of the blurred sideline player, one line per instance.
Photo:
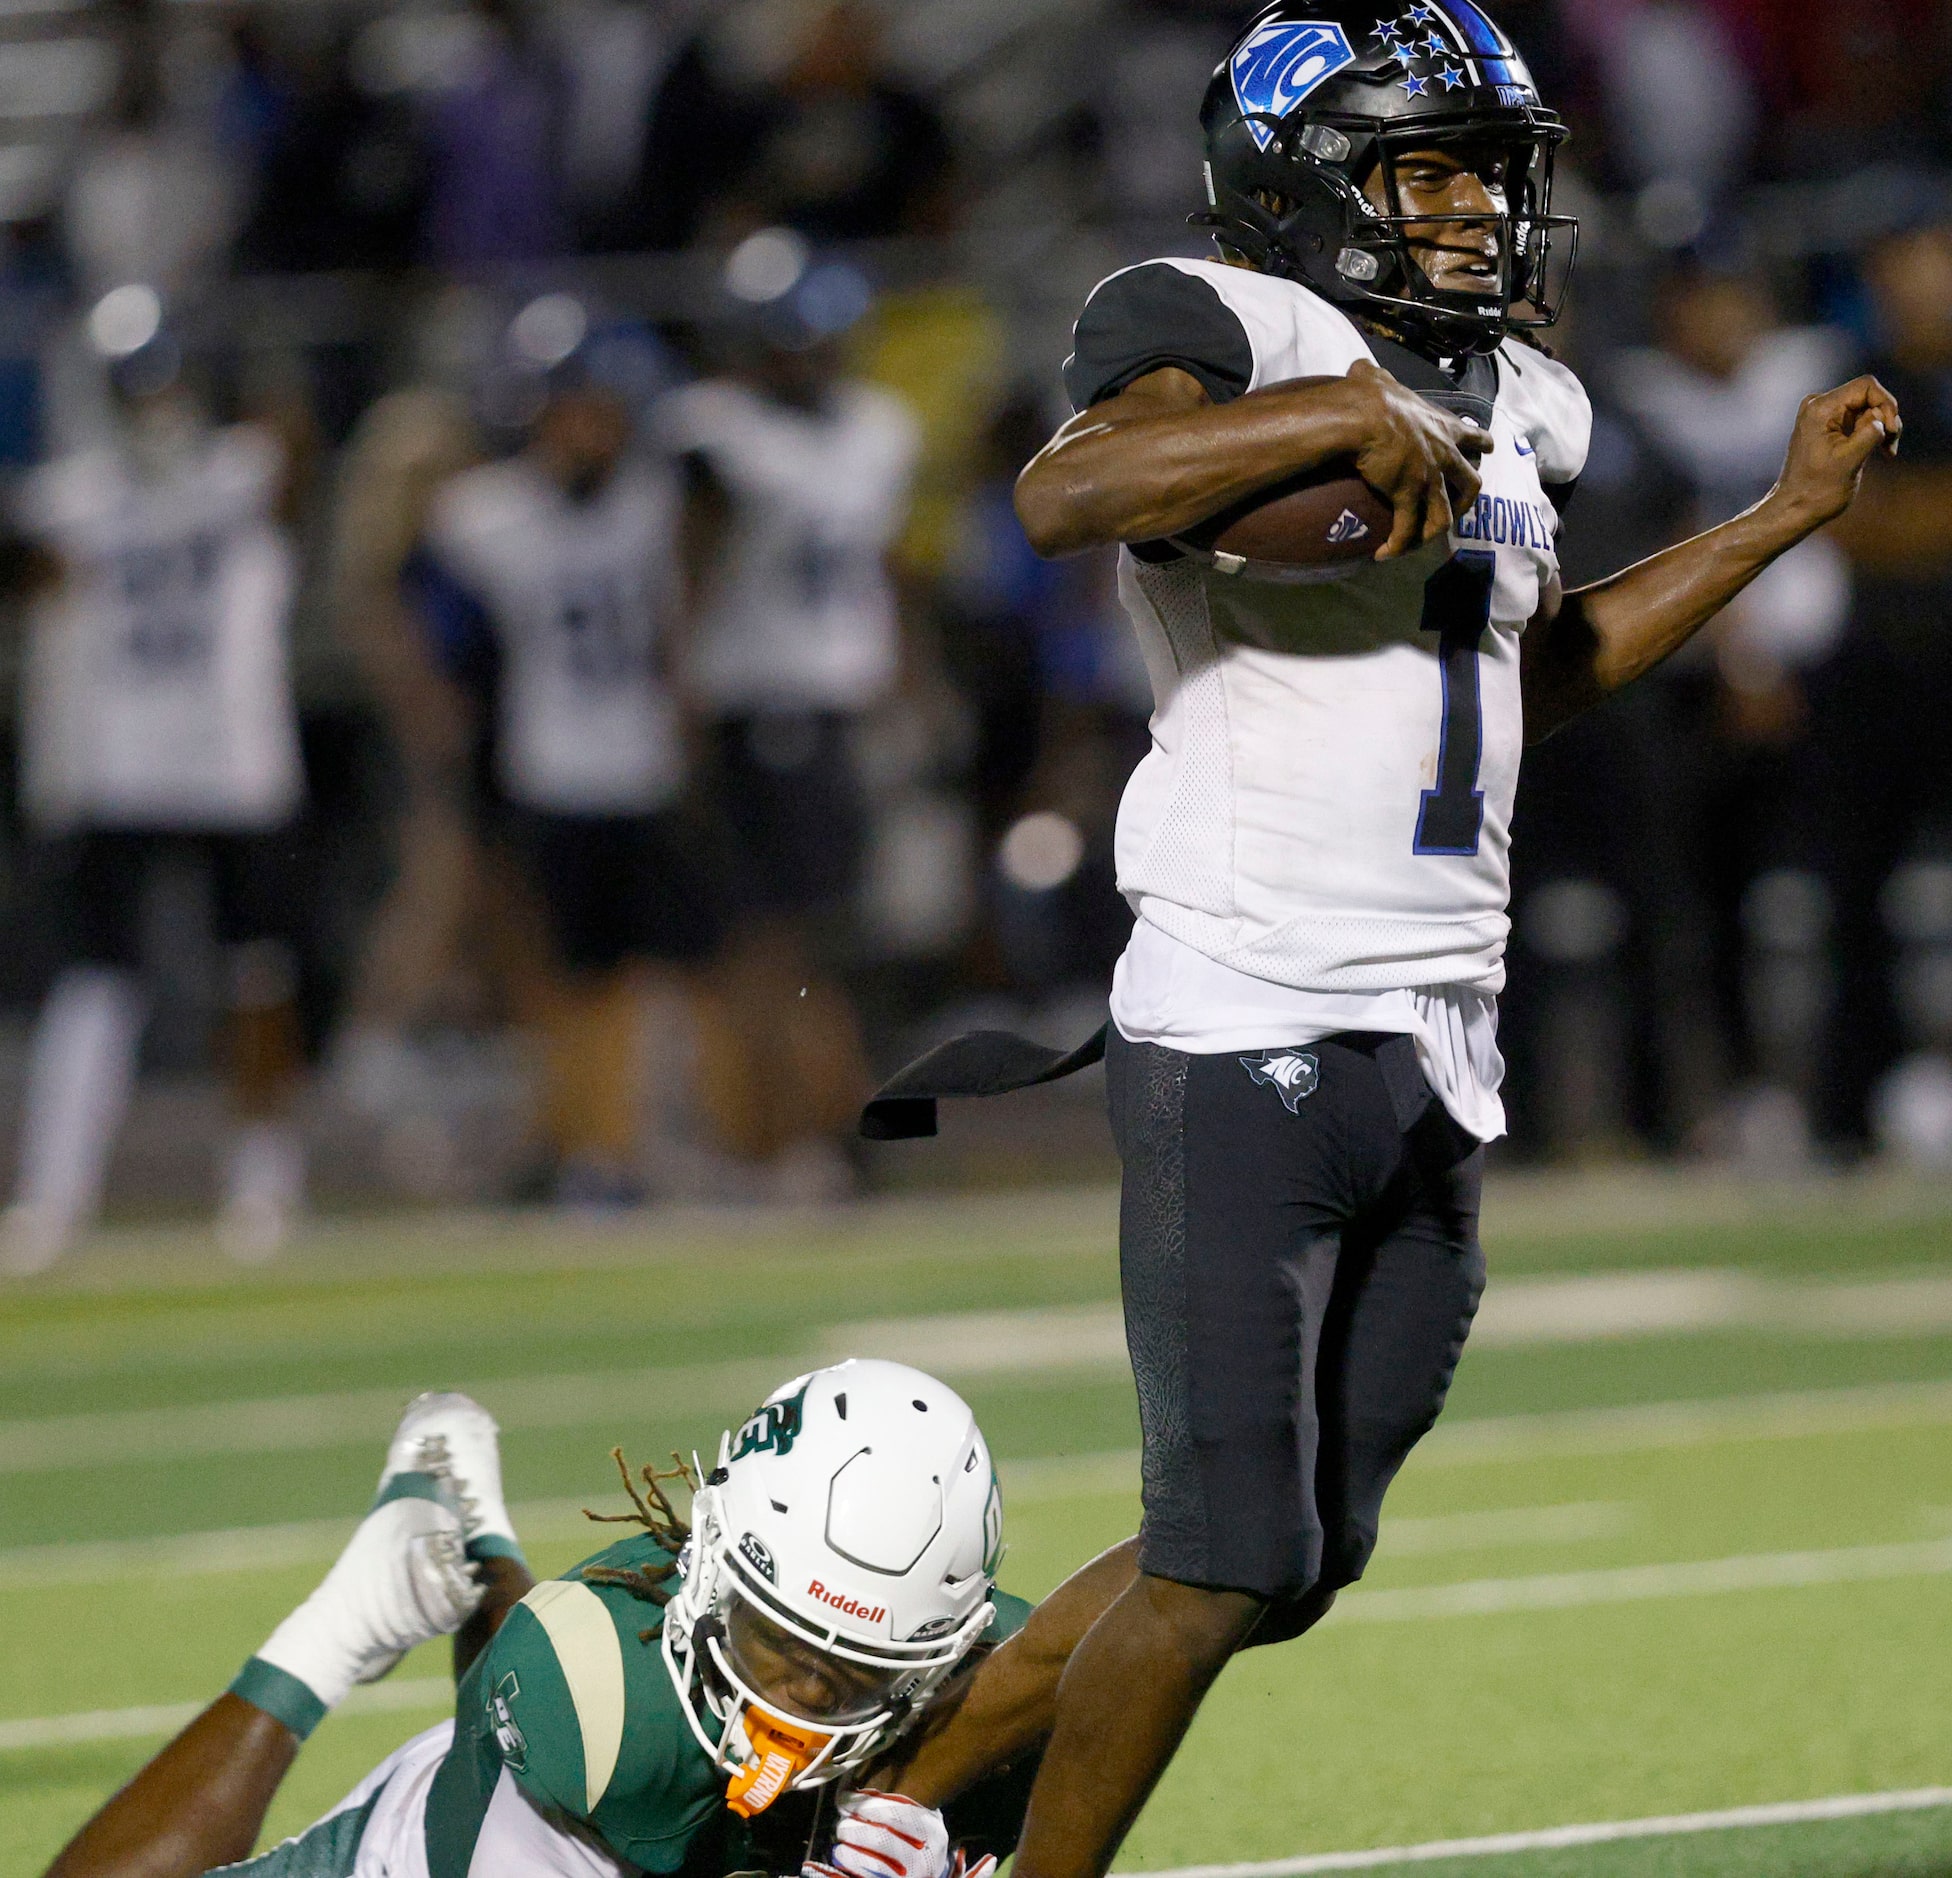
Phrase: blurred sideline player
(548, 583)
(825, 1621)
(404, 448)
(159, 722)
(798, 480)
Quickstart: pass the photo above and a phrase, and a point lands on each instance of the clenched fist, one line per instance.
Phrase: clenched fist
(1837, 433)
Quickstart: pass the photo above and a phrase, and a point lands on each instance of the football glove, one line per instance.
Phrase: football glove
(887, 1835)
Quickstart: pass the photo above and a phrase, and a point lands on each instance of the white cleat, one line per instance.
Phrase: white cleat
(403, 1580)
(451, 1434)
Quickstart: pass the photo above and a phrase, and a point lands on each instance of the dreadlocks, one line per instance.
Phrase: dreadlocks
(659, 1518)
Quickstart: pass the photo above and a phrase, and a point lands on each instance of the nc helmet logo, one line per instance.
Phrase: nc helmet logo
(1276, 68)
(773, 1428)
(1292, 1075)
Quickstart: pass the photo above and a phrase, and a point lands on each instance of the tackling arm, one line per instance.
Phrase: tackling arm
(1007, 1706)
(1585, 644)
(1161, 456)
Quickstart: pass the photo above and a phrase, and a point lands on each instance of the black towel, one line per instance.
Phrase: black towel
(983, 1063)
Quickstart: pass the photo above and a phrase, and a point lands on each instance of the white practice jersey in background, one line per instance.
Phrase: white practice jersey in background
(578, 595)
(1327, 801)
(158, 682)
(801, 616)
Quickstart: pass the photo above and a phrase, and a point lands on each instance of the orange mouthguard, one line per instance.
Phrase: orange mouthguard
(779, 1751)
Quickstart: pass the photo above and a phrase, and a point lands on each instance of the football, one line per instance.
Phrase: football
(1309, 526)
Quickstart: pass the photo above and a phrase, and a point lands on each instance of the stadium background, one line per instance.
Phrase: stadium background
(1686, 1544)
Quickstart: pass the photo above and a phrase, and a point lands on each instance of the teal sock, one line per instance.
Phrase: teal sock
(280, 1694)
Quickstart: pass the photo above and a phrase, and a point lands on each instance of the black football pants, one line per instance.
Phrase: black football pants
(1298, 1249)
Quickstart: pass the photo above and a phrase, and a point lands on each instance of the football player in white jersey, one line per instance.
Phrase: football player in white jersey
(1303, 1061)
(548, 586)
(799, 480)
(159, 722)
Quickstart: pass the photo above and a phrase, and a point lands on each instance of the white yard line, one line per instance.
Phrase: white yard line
(1558, 1838)
(1787, 1415)
(299, 1542)
(239, 1548)
(1477, 1597)
(1056, 1336)
(1489, 1440)
(1426, 1535)
(307, 1541)
(1634, 1584)
(969, 1346)
(129, 1724)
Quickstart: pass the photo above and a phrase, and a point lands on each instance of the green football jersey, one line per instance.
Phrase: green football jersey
(573, 1699)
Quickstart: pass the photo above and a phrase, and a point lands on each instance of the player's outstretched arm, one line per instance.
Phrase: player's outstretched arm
(1161, 457)
(1008, 1705)
(1592, 641)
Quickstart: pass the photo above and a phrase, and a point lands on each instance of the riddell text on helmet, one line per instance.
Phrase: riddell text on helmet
(840, 1601)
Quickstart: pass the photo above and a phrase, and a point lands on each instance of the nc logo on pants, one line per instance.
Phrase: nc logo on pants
(1293, 1075)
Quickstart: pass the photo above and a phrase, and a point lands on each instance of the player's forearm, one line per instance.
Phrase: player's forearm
(1608, 634)
(1107, 479)
(1010, 1702)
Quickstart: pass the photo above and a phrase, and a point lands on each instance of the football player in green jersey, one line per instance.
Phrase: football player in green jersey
(824, 1627)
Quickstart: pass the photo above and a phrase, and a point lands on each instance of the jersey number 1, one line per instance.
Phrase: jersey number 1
(1457, 608)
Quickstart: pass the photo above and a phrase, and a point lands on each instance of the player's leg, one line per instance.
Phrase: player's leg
(402, 1579)
(1236, 1188)
(1408, 1285)
(789, 795)
(591, 1020)
(258, 905)
(198, 1805)
(82, 1070)
(593, 1056)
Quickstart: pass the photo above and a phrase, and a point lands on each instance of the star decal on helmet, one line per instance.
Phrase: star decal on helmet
(1386, 30)
(1422, 15)
(1453, 76)
(1417, 86)
(1435, 48)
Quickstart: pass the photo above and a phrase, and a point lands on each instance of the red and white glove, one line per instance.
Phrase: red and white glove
(885, 1835)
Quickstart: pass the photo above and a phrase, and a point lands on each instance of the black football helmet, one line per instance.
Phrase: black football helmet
(1314, 98)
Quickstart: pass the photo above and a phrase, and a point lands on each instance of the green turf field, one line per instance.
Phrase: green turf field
(1682, 1544)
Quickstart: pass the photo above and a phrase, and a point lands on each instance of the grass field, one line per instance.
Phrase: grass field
(1682, 1544)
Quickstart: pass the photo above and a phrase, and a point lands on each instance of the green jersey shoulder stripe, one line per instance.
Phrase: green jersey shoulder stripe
(591, 1659)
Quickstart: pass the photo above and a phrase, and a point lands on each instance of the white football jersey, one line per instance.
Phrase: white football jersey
(158, 684)
(578, 594)
(1327, 801)
(801, 615)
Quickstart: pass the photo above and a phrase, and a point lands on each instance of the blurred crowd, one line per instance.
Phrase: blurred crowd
(559, 453)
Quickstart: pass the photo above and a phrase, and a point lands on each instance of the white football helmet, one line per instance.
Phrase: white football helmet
(840, 1566)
